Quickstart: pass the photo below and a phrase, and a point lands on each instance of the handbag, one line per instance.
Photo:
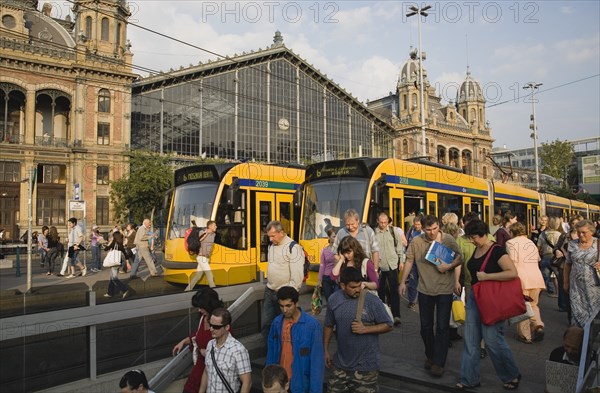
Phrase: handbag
(112, 258)
(316, 303)
(498, 300)
(458, 311)
(519, 318)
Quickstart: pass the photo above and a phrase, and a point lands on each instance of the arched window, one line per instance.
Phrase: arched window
(104, 30)
(473, 116)
(414, 102)
(484, 172)
(404, 101)
(404, 146)
(104, 101)
(426, 145)
(480, 114)
(88, 28)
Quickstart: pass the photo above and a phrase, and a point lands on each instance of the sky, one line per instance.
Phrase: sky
(362, 46)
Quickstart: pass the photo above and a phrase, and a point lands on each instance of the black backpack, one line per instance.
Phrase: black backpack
(192, 240)
(306, 260)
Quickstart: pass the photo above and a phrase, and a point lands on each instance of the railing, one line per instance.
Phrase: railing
(15, 139)
(179, 363)
(108, 337)
(48, 140)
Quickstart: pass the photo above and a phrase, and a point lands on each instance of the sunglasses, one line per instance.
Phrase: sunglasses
(216, 327)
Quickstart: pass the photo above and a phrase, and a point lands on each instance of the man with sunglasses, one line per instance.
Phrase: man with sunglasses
(227, 360)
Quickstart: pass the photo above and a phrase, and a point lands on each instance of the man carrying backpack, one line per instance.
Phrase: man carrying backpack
(206, 239)
(285, 269)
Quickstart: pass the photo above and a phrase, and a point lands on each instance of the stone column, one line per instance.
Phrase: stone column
(30, 117)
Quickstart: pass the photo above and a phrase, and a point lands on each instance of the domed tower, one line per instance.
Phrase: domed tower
(101, 27)
(470, 102)
(408, 90)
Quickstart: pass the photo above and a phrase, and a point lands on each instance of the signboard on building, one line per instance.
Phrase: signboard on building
(590, 169)
(77, 206)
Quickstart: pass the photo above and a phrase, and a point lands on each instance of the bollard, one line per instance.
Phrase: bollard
(18, 270)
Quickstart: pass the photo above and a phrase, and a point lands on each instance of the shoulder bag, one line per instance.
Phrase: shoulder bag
(219, 372)
(498, 300)
(112, 258)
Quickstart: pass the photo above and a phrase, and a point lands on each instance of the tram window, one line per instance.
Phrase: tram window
(450, 204)
(231, 223)
(265, 218)
(192, 202)
(414, 201)
(477, 207)
(431, 208)
(285, 217)
(518, 209)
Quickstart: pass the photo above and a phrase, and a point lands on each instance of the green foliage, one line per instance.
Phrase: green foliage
(556, 157)
(141, 190)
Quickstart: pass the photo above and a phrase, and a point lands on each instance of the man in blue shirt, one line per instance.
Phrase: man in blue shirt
(356, 362)
(296, 343)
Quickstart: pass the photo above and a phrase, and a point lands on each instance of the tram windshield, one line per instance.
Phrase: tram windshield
(326, 201)
(192, 201)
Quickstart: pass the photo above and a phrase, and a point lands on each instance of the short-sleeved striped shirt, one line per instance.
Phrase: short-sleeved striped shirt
(233, 360)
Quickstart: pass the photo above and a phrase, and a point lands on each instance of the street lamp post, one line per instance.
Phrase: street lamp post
(534, 86)
(421, 11)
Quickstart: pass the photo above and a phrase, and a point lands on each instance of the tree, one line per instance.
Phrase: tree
(556, 158)
(137, 193)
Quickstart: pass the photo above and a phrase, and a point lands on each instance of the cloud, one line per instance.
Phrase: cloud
(566, 10)
(447, 85)
(580, 50)
(521, 59)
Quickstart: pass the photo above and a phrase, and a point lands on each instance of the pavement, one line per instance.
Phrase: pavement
(402, 350)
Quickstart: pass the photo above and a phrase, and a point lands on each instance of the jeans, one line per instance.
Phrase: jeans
(436, 345)
(500, 354)
(115, 285)
(413, 281)
(329, 286)
(96, 262)
(388, 281)
(270, 311)
(547, 270)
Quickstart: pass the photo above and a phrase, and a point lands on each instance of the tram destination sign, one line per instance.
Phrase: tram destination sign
(346, 168)
(195, 173)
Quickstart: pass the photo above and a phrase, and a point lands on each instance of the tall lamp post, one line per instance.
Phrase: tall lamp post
(421, 11)
(534, 86)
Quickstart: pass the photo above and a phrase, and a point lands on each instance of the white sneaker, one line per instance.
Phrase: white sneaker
(84, 272)
(71, 276)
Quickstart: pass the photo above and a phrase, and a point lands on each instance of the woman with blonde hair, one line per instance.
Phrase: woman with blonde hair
(524, 254)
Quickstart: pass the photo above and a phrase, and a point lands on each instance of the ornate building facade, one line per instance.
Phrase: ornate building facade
(65, 89)
(457, 133)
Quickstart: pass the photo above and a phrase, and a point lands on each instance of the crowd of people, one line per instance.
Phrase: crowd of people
(364, 271)
(61, 258)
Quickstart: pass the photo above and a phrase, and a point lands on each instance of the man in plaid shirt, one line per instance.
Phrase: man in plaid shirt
(227, 360)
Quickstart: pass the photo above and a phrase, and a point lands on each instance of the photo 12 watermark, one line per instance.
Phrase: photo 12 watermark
(476, 11)
(269, 11)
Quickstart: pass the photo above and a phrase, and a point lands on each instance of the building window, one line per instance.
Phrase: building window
(102, 174)
(50, 209)
(103, 133)
(10, 172)
(88, 28)
(104, 30)
(104, 101)
(102, 211)
(52, 174)
(404, 146)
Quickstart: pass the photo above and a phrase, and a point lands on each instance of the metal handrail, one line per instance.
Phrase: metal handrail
(183, 359)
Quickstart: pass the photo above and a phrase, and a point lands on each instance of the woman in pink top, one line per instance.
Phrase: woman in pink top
(524, 254)
(327, 262)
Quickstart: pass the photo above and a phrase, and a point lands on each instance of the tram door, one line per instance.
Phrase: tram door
(396, 209)
(432, 203)
(532, 217)
(265, 212)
